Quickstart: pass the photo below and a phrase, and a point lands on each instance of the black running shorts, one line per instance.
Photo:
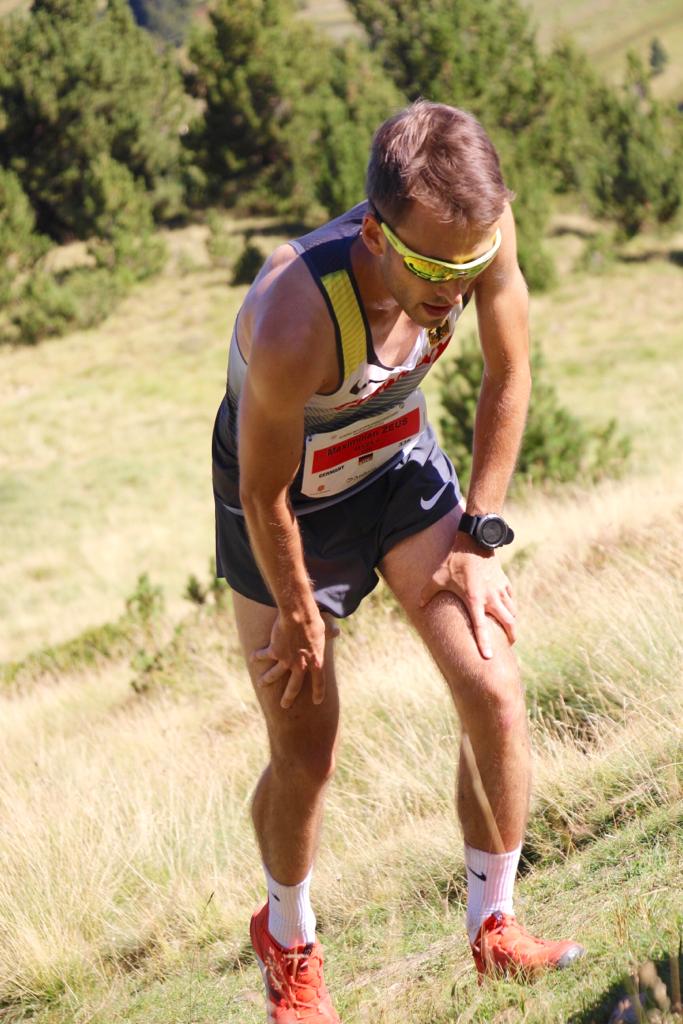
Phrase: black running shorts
(344, 542)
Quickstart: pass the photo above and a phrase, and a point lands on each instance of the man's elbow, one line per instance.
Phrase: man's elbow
(260, 495)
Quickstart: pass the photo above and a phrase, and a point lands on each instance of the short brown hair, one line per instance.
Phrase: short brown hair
(442, 156)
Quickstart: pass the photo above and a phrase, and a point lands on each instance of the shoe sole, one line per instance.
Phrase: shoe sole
(528, 973)
(568, 958)
(269, 1005)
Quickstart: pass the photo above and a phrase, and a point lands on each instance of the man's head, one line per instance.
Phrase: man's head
(441, 156)
(435, 189)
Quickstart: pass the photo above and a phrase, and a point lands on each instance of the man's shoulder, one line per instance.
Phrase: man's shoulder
(333, 232)
(285, 297)
(284, 325)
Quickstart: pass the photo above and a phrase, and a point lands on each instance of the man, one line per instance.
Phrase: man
(325, 468)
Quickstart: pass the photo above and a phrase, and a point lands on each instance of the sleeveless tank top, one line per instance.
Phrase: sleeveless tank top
(376, 414)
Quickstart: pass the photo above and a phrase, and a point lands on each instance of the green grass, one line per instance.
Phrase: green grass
(607, 30)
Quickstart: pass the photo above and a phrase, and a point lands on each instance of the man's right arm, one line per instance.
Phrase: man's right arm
(284, 370)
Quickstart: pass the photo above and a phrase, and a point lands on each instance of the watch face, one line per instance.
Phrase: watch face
(493, 531)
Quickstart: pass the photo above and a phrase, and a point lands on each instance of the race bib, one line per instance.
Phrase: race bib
(341, 458)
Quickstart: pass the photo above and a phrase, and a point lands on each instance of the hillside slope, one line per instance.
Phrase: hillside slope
(130, 870)
(105, 434)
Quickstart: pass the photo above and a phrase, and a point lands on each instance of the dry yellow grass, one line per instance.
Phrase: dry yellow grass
(124, 813)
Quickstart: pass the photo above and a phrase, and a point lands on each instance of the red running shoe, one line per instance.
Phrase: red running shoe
(295, 987)
(503, 948)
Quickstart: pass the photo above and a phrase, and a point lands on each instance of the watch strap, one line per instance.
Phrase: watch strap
(468, 524)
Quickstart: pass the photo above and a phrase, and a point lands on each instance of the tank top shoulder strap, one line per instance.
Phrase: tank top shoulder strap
(326, 254)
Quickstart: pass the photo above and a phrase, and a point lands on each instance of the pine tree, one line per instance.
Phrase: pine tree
(169, 19)
(288, 118)
(659, 57)
(482, 57)
(20, 245)
(76, 83)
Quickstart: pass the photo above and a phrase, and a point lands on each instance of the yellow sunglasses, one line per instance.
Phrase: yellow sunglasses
(430, 269)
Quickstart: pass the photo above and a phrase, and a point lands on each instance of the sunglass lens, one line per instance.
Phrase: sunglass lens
(427, 270)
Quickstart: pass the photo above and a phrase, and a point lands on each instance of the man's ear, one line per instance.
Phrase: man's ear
(372, 235)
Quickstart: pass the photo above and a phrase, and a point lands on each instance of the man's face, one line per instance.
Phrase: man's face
(427, 303)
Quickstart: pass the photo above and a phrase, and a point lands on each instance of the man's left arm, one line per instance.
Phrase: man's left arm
(471, 571)
(503, 318)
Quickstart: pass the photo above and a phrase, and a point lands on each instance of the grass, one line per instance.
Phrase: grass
(109, 901)
(607, 30)
(129, 751)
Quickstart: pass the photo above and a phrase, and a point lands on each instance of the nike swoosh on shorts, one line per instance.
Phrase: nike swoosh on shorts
(426, 505)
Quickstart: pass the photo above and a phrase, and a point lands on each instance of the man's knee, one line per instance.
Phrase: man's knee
(492, 696)
(304, 746)
(311, 765)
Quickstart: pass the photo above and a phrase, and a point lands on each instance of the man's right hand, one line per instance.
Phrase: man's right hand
(297, 646)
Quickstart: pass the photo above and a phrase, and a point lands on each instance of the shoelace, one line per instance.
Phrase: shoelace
(287, 982)
(502, 923)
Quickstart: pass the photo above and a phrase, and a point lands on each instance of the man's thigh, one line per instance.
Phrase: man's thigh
(305, 722)
(443, 623)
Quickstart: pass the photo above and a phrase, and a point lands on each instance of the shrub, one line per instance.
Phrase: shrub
(122, 221)
(659, 58)
(195, 592)
(287, 117)
(248, 264)
(50, 305)
(221, 243)
(639, 176)
(78, 81)
(43, 309)
(556, 448)
(20, 245)
(198, 593)
(147, 600)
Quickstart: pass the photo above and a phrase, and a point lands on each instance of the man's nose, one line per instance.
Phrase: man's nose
(451, 291)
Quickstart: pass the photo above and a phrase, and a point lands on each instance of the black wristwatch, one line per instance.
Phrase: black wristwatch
(491, 531)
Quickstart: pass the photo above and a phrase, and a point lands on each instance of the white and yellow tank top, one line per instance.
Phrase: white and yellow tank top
(375, 415)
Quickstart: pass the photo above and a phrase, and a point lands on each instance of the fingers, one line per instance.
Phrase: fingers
(482, 635)
(304, 663)
(294, 684)
(501, 612)
(317, 684)
(274, 671)
(507, 598)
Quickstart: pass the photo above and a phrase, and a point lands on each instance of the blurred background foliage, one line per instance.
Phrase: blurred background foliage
(117, 116)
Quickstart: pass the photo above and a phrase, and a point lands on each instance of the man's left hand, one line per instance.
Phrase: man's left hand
(475, 576)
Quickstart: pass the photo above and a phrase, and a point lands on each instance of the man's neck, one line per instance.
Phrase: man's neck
(378, 303)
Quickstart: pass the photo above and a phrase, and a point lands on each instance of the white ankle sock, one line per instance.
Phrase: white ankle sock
(490, 881)
(291, 920)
